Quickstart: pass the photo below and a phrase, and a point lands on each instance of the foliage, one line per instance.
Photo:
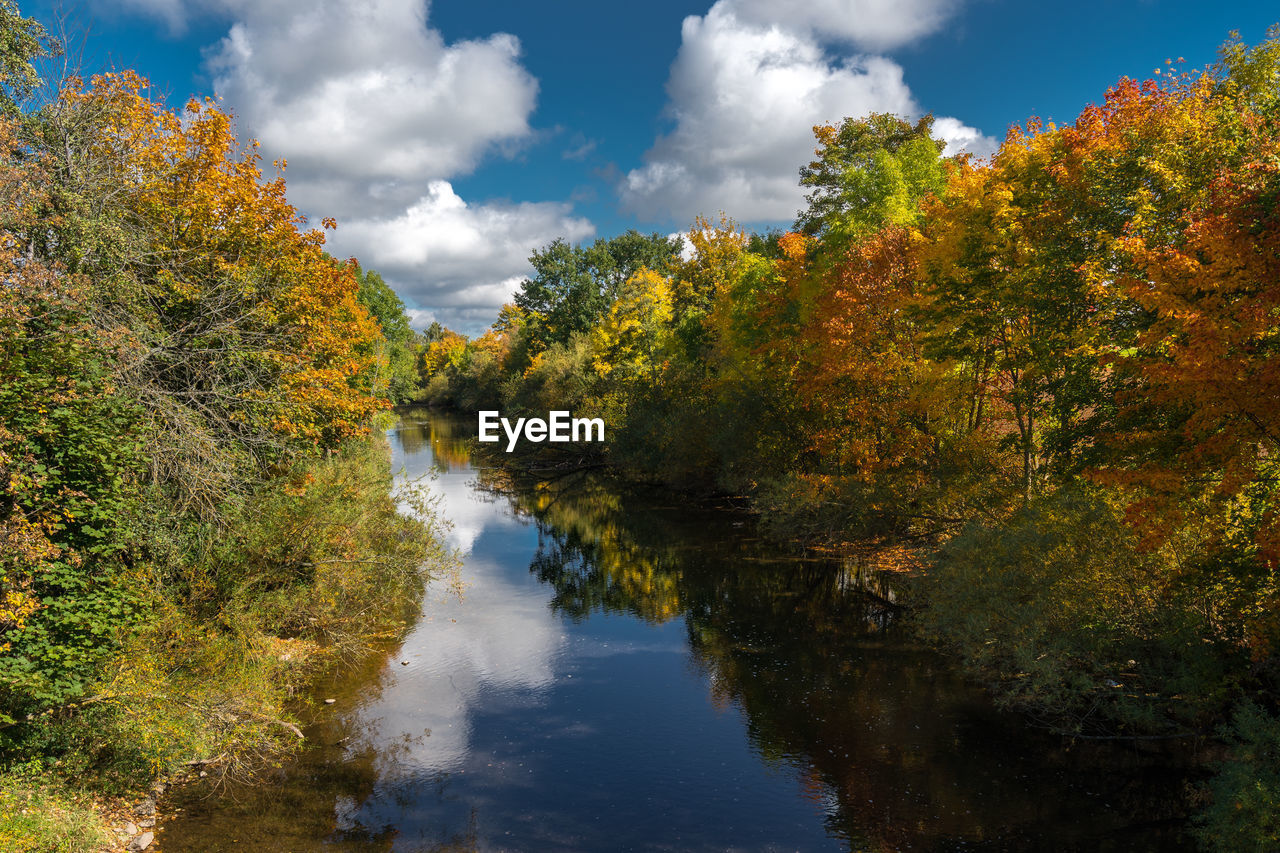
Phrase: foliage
(244, 343)
(37, 818)
(1244, 813)
(869, 172)
(402, 346)
(1062, 613)
(23, 42)
(572, 286)
(318, 565)
(69, 449)
(629, 340)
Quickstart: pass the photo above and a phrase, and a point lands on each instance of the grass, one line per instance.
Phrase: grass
(313, 569)
(36, 817)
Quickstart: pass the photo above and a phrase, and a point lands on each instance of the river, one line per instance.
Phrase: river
(631, 670)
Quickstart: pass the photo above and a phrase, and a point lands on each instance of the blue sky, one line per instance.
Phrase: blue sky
(451, 139)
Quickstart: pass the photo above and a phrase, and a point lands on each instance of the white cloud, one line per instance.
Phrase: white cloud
(462, 260)
(869, 24)
(962, 138)
(375, 113)
(365, 100)
(745, 93)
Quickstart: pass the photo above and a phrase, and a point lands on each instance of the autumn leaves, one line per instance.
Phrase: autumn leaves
(1060, 363)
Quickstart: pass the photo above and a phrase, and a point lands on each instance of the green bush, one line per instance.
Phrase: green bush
(1063, 615)
(1244, 813)
(69, 458)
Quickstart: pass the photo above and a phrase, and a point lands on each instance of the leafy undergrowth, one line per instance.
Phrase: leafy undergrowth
(314, 569)
(35, 818)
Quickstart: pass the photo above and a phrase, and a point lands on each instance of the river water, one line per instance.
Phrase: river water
(630, 670)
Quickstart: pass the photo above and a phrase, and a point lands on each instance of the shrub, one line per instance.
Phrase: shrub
(1062, 614)
(1244, 814)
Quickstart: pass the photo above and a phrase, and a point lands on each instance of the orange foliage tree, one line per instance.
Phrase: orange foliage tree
(248, 341)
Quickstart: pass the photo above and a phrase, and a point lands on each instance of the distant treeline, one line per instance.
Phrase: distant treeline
(1053, 377)
(192, 509)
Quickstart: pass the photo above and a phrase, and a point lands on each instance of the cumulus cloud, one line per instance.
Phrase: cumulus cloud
(366, 100)
(745, 92)
(375, 113)
(869, 24)
(469, 251)
(962, 138)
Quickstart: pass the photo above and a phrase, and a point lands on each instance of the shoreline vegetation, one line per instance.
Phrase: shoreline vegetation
(197, 512)
(1043, 386)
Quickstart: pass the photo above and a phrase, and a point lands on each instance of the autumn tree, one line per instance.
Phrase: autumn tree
(247, 341)
(1197, 429)
(573, 286)
(629, 340)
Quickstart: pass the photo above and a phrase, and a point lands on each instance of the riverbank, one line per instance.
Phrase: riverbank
(1003, 602)
(320, 564)
(622, 651)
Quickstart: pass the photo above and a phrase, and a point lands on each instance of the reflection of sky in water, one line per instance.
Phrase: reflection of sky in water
(757, 717)
(533, 718)
(499, 637)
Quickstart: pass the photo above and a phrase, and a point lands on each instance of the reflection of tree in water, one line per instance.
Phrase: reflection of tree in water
(587, 577)
(915, 758)
(321, 793)
(589, 557)
(450, 438)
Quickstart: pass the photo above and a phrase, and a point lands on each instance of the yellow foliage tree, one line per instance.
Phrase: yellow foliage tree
(629, 341)
(248, 340)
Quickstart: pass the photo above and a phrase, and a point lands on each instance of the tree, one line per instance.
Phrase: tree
(23, 41)
(864, 379)
(573, 286)
(1205, 410)
(869, 172)
(402, 353)
(1023, 257)
(385, 306)
(628, 341)
(246, 343)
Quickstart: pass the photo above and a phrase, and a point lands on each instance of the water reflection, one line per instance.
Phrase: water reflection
(901, 753)
(626, 671)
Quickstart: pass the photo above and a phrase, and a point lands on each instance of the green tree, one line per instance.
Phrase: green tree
(402, 349)
(869, 172)
(573, 286)
(23, 42)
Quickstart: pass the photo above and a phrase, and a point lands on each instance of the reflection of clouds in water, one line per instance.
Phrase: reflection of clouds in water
(504, 640)
(468, 512)
(498, 644)
(465, 510)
